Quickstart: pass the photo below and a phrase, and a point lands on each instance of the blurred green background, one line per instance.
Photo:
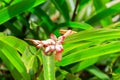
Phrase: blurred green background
(90, 54)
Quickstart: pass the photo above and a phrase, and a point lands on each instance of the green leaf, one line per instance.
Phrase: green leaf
(116, 76)
(83, 11)
(94, 70)
(12, 60)
(30, 60)
(77, 25)
(17, 8)
(93, 35)
(14, 42)
(72, 77)
(75, 46)
(82, 3)
(82, 65)
(97, 3)
(104, 13)
(114, 25)
(89, 53)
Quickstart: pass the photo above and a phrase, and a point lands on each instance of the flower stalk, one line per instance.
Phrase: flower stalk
(51, 49)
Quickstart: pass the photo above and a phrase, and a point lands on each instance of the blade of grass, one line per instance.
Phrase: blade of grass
(76, 25)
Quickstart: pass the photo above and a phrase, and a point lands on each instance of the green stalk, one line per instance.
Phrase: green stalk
(48, 66)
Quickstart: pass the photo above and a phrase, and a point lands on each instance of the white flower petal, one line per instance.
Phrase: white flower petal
(47, 49)
(39, 46)
(52, 48)
(59, 48)
(50, 41)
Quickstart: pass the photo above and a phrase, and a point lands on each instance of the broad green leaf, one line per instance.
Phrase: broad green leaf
(14, 42)
(89, 53)
(12, 60)
(30, 60)
(97, 3)
(93, 35)
(75, 46)
(116, 76)
(84, 64)
(76, 25)
(104, 13)
(94, 70)
(11, 11)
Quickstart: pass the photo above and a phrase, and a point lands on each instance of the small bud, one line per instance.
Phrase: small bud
(62, 31)
(36, 42)
(58, 56)
(47, 49)
(52, 36)
(61, 39)
(39, 45)
(67, 33)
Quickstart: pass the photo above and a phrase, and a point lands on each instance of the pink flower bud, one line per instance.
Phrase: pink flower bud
(52, 36)
(67, 33)
(36, 42)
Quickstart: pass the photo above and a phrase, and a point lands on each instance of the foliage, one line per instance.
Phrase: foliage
(90, 54)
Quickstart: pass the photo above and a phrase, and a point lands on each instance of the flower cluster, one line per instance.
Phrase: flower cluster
(52, 45)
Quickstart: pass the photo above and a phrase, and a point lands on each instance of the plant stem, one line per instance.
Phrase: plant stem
(48, 66)
(74, 13)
